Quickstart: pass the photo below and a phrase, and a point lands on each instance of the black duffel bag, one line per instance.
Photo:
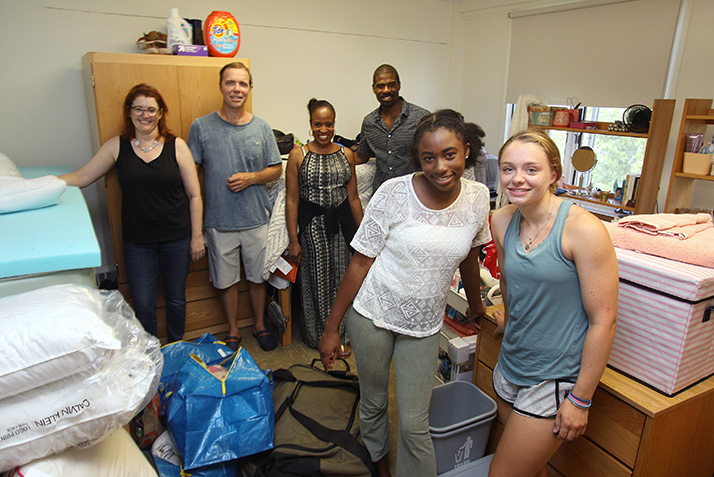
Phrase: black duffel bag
(316, 425)
(286, 142)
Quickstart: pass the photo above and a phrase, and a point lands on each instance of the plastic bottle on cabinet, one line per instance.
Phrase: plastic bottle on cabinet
(179, 30)
(221, 34)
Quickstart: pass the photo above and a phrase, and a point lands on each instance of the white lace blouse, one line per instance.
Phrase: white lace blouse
(417, 251)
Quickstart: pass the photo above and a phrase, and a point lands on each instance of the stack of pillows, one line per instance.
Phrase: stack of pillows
(75, 366)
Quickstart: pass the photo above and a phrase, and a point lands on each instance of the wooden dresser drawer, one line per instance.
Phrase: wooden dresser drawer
(489, 345)
(582, 457)
(614, 428)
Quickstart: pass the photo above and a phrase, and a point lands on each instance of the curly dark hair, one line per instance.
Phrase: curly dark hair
(315, 104)
(447, 119)
(475, 135)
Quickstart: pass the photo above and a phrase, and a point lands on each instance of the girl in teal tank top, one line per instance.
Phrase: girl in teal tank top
(559, 280)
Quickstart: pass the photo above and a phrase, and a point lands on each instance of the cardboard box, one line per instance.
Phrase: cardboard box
(191, 50)
(697, 163)
(584, 124)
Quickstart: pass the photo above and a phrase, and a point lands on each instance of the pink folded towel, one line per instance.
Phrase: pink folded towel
(698, 249)
(681, 226)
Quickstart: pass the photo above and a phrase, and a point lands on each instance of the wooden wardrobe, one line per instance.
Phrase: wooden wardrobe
(189, 86)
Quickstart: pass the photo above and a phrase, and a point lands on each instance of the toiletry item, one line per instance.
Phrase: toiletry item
(197, 30)
(179, 30)
(221, 34)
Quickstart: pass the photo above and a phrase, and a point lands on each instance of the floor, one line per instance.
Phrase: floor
(298, 352)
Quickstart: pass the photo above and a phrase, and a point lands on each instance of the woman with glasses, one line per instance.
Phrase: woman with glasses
(162, 209)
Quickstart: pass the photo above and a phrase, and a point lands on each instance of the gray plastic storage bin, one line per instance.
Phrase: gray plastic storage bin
(478, 468)
(459, 421)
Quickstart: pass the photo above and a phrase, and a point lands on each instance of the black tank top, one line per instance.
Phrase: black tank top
(154, 202)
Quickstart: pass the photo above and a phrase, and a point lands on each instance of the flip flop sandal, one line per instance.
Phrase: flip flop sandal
(233, 342)
(266, 340)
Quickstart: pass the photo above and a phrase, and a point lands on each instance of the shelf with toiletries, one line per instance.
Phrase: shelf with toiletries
(697, 115)
(602, 128)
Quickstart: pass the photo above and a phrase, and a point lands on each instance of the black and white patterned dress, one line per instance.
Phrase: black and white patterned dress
(326, 254)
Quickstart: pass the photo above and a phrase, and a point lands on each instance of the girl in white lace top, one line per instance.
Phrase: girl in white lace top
(417, 229)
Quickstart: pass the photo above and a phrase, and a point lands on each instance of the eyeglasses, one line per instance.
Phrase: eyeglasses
(140, 111)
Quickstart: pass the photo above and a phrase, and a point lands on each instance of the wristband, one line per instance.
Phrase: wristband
(579, 403)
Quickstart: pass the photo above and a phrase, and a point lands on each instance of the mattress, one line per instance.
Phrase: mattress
(665, 330)
(59, 237)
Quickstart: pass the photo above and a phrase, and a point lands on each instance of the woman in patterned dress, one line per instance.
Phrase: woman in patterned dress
(417, 230)
(322, 211)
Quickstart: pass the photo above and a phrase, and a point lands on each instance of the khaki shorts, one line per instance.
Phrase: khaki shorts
(540, 400)
(225, 250)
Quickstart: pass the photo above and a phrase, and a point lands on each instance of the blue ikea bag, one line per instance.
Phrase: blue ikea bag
(169, 463)
(216, 419)
(209, 349)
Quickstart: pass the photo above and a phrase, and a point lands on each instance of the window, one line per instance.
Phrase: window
(617, 156)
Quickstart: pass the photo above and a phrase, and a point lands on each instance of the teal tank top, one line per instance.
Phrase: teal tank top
(547, 323)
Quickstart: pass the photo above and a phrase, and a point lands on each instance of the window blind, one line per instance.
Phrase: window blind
(612, 55)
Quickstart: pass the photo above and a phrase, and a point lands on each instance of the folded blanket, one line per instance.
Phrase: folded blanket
(681, 226)
(277, 241)
(697, 249)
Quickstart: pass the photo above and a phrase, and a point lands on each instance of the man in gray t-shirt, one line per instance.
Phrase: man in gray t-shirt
(388, 130)
(239, 156)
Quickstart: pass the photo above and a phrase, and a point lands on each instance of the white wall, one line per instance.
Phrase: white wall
(695, 79)
(448, 55)
(297, 49)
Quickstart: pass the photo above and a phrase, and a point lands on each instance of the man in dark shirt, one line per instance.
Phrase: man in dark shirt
(388, 130)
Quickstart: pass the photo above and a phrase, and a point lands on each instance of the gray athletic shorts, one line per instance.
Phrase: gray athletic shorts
(225, 250)
(540, 400)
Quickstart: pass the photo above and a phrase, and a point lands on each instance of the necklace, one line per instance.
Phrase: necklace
(530, 240)
(146, 149)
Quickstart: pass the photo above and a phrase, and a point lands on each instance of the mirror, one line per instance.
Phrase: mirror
(583, 160)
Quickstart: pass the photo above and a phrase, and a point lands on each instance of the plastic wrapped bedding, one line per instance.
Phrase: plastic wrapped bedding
(49, 334)
(83, 407)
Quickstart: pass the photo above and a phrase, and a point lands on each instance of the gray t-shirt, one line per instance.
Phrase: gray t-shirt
(224, 149)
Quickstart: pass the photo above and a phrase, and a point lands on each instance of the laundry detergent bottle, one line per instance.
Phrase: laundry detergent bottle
(179, 31)
(221, 34)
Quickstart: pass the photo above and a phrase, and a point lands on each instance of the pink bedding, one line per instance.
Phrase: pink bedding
(696, 246)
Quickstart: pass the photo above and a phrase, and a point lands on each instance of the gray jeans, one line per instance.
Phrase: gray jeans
(415, 364)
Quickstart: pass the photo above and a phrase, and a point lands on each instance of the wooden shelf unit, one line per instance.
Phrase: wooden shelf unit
(696, 116)
(653, 162)
(632, 429)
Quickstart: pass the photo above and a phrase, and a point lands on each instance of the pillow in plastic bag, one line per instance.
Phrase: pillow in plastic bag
(86, 407)
(49, 334)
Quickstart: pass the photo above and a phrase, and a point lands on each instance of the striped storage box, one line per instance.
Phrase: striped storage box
(665, 328)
